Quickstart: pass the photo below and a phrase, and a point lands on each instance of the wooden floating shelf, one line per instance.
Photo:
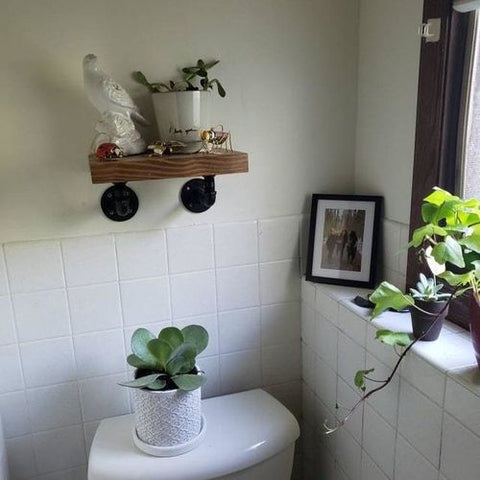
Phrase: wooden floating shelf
(145, 167)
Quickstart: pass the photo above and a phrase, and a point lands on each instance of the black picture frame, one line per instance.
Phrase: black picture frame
(354, 254)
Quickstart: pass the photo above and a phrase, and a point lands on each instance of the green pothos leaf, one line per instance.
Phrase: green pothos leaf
(389, 337)
(388, 296)
(360, 378)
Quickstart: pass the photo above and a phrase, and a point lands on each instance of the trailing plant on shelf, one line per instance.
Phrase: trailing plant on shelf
(448, 244)
(198, 72)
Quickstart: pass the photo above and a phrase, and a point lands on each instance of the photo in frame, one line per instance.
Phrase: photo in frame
(344, 239)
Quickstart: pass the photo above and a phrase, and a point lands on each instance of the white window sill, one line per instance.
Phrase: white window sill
(452, 353)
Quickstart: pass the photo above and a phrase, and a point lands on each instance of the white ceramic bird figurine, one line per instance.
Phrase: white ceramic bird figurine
(117, 108)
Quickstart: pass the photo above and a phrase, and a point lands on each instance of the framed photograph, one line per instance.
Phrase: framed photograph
(343, 241)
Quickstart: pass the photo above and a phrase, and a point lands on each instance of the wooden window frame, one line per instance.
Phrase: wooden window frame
(438, 113)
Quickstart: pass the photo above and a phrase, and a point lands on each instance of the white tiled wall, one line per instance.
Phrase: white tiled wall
(69, 306)
(424, 426)
(394, 254)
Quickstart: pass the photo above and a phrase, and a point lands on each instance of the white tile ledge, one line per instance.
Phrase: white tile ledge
(452, 353)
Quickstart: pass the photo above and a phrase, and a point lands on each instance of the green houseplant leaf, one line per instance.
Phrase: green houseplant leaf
(449, 251)
(388, 296)
(182, 359)
(360, 378)
(172, 335)
(189, 382)
(388, 337)
(197, 336)
(142, 381)
(161, 350)
(140, 339)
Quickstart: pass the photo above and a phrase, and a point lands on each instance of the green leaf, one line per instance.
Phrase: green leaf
(209, 65)
(429, 211)
(471, 239)
(456, 279)
(182, 359)
(388, 296)
(158, 384)
(189, 382)
(172, 335)
(142, 79)
(142, 381)
(426, 231)
(438, 196)
(221, 90)
(360, 378)
(161, 350)
(136, 362)
(449, 251)
(196, 335)
(388, 337)
(140, 339)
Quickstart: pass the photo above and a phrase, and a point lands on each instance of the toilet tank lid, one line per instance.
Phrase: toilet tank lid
(243, 429)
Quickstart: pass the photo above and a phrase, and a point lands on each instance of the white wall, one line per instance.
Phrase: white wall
(290, 73)
(389, 53)
(289, 69)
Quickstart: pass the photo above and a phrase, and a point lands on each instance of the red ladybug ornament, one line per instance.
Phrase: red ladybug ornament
(109, 150)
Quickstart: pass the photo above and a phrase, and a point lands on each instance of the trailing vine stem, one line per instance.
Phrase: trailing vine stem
(329, 430)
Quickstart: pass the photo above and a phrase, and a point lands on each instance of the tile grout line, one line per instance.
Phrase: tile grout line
(77, 381)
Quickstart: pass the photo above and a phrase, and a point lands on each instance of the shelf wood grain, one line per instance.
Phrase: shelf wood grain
(145, 167)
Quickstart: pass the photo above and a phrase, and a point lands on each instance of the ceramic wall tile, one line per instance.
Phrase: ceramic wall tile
(89, 260)
(54, 406)
(237, 287)
(11, 378)
(279, 239)
(15, 416)
(280, 324)
(141, 254)
(34, 266)
(7, 326)
(41, 315)
(410, 464)
(59, 449)
(190, 249)
(99, 353)
(239, 330)
(145, 301)
(460, 459)
(95, 307)
(48, 362)
(193, 294)
(420, 422)
(279, 282)
(102, 397)
(236, 244)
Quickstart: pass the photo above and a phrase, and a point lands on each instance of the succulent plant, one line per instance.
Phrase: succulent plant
(428, 290)
(167, 362)
(199, 70)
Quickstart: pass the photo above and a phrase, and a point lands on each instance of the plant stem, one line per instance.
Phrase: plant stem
(342, 422)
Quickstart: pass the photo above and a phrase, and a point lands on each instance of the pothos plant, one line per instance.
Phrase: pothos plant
(448, 243)
(190, 75)
(168, 361)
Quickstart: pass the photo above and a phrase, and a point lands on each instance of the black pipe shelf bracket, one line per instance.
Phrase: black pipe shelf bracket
(199, 194)
(120, 203)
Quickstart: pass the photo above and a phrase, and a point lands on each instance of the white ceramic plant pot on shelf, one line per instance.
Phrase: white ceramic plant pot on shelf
(167, 418)
(181, 116)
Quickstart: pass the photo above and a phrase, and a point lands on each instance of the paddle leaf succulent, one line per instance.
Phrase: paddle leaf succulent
(168, 361)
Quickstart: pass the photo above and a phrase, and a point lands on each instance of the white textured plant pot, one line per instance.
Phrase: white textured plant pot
(167, 418)
(181, 116)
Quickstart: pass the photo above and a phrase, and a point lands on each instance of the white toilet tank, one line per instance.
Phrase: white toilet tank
(250, 436)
